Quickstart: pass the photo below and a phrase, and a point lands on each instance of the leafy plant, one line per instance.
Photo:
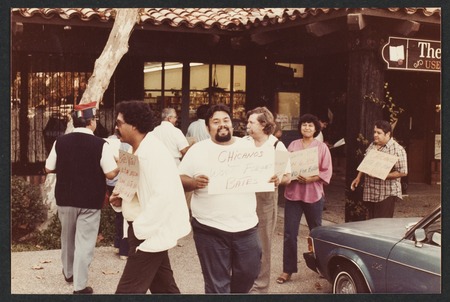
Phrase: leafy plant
(363, 143)
(386, 104)
(50, 238)
(28, 210)
(107, 226)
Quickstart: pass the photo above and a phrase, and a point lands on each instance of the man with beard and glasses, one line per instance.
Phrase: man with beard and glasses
(157, 215)
(224, 225)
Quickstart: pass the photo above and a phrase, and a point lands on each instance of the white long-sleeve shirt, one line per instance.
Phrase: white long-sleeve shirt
(162, 216)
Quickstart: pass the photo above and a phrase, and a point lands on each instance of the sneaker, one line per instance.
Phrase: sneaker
(116, 250)
(123, 257)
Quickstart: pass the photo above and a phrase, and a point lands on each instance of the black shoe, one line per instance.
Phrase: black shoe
(86, 291)
(69, 280)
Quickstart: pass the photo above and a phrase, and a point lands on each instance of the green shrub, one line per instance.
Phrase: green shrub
(50, 238)
(107, 226)
(28, 210)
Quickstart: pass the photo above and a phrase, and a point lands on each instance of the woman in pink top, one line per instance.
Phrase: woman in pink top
(304, 194)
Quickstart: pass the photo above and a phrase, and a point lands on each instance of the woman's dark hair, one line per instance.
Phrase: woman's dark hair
(265, 118)
(309, 118)
(215, 108)
(384, 125)
(137, 114)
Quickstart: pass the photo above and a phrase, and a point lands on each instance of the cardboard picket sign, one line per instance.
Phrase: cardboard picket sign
(377, 164)
(241, 170)
(128, 180)
(305, 162)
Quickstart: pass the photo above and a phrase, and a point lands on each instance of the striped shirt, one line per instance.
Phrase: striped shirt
(375, 189)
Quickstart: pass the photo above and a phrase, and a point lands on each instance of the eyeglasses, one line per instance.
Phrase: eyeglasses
(119, 123)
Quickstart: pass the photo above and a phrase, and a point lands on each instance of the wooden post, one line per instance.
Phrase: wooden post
(365, 75)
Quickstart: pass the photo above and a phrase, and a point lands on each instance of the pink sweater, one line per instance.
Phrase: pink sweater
(311, 192)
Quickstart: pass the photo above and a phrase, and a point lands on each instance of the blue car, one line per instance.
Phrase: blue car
(382, 255)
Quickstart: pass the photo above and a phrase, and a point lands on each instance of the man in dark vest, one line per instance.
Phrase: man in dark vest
(81, 162)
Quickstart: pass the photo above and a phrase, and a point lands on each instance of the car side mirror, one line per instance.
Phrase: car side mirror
(420, 236)
(436, 238)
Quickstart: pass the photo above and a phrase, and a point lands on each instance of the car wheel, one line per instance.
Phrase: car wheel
(348, 280)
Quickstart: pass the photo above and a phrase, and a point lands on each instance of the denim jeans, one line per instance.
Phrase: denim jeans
(293, 211)
(230, 261)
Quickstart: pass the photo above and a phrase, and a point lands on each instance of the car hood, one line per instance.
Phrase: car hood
(394, 228)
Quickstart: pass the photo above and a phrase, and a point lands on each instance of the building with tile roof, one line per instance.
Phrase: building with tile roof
(328, 61)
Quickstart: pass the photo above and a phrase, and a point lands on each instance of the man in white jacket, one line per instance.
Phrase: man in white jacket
(157, 216)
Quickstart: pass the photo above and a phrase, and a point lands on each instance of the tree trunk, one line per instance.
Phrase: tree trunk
(105, 65)
(116, 47)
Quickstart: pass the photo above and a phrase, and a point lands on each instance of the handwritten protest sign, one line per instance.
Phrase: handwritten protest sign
(128, 180)
(241, 170)
(281, 162)
(377, 164)
(305, 162)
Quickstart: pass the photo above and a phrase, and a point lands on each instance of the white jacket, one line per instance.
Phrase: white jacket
(164, 216)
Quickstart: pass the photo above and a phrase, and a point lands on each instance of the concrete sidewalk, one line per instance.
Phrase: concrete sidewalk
(40, 272)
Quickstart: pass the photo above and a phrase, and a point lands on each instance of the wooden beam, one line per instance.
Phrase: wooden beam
(319, 29)
(356, 22)
(269, 37)
(408, 28)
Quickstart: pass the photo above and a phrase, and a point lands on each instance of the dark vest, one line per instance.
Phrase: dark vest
(80, 180)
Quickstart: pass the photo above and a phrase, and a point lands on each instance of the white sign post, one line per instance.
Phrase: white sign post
(377, 164)
(241, 170)
(305, 162)
(128, 180)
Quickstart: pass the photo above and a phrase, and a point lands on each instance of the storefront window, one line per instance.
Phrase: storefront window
(209, 84)
(50, 99)
(288, 109)
(288, 98)
(157, 75)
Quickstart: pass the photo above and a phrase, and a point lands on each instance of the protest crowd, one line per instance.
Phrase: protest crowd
(221, 187)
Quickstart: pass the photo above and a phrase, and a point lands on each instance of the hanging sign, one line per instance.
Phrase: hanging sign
(412, 54)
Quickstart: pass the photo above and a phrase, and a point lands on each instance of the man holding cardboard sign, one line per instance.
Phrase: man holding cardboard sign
(224, 224)
(150, 195)
(385, 163)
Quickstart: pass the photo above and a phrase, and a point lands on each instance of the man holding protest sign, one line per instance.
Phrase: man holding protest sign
(150, 194)
(81, 162)
(224, 224)
(260, 126)
(305, 193)
(382, 191)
